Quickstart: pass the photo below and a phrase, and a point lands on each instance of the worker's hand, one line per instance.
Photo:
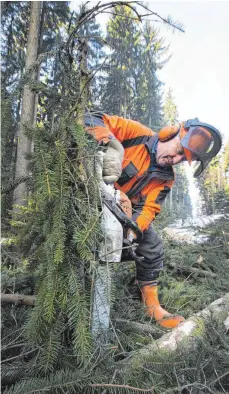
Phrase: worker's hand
(112, 161)
(131, 236)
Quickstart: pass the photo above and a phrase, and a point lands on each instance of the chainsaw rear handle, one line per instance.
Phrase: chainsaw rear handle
(132, 250)
(111, 204)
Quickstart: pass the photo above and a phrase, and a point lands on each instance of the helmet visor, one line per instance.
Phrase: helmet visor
(197, 143)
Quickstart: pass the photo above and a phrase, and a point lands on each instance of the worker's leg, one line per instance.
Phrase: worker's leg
(150, 250)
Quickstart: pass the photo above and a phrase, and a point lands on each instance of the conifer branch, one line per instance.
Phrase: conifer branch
(123, 386)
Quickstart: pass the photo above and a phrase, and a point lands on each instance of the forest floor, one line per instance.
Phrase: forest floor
(194, 276)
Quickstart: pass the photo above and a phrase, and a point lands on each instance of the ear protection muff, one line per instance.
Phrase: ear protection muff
(168, 132)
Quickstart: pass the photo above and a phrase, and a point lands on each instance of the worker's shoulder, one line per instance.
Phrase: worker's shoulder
(129, 125)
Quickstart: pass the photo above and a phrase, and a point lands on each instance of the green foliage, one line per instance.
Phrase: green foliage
(8, 156)
(48, 348)
(132, 88)
(201, 370)
(57, 236)
(178, 203)
(15, 21)
(56, 231)
(214, 186)
(153, 55)
(170, 110)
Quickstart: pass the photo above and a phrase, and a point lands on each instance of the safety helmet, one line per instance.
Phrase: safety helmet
(200, 141)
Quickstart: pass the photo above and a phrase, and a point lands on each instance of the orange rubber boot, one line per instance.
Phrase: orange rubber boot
(154, 309)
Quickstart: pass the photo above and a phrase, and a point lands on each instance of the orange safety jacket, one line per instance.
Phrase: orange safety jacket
(142, 180)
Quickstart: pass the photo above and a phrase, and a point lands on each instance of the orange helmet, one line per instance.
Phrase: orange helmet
(201, 142)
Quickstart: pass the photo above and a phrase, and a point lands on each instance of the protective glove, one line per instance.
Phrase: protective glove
(112, 161)
(133, 244)
(131, 236)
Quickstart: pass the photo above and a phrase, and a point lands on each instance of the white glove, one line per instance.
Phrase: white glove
(112, 161)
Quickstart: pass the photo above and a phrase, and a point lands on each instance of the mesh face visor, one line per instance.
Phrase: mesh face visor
(201, 143)
(198, 141)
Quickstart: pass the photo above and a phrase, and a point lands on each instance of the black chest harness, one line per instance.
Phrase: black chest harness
(153, 172)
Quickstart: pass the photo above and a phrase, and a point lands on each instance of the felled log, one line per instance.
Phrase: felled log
(186, 335)
(17, 299)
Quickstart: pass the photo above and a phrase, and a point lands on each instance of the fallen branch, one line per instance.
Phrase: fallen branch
(123, 386)
(198, 271)
(146, 328)
(18, 299)
(194, 270)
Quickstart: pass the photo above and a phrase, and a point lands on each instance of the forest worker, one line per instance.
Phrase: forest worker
(140, 164)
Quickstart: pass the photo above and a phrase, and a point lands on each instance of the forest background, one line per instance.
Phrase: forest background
(58, 63)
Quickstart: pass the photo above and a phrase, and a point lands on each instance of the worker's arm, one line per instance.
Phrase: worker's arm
(109, 127)
(124, 129)
(112, 131)
(152, 205)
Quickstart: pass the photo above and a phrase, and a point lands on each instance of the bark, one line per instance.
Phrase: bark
(28, 104)
(186, 335)
(194, 270)
(84, 80)
(146, 328)
(18, 299)
(171, 199)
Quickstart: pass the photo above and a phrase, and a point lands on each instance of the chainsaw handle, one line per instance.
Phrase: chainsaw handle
(111, 204)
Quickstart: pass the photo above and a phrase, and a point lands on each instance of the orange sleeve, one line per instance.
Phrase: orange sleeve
(100, 133)
(152, 206)
(116, 127)
(124, 129)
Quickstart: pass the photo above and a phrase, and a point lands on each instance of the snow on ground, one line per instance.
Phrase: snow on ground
(201, 221)
(190, 230)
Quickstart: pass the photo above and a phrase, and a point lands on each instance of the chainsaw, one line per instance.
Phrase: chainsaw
(114, 248)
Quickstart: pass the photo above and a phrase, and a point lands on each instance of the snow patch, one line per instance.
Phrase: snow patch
(201, 221)
(186, 232)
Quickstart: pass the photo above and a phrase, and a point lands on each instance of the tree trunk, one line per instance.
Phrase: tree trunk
(171, 200)
(28, 105)
(84, 80)
(125, 105)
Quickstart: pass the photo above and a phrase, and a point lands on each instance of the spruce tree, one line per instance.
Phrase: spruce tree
(170, 109)
(148, 107)
(213, 186)
(49, 347)
(123, 36)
